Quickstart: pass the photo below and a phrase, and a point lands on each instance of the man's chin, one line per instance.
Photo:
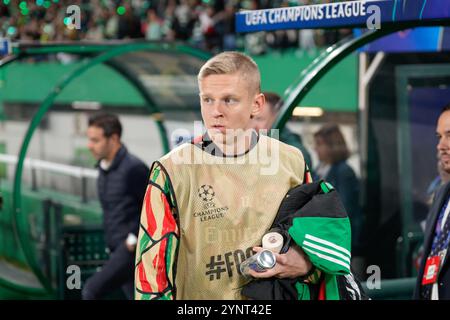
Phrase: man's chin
(218, 135)
(446, 166)
(219, 138)
(229, 136)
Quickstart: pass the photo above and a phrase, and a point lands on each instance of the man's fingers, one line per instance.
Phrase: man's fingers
(276, 271)
(265, 274)
(281, 258)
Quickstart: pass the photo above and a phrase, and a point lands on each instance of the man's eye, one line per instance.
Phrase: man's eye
(207, 100)
(229, 101)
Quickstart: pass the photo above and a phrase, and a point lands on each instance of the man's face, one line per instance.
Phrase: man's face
(264, 120)
(443, 146)
(98, 144)
(227, 102)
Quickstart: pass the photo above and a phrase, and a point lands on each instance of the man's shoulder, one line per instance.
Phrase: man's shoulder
(288, 155)
(442, 191)
(284, 147)
(342, 167)
(270, 140)
(445, 186)
(176, 152)
(163, 169)
(178, 155)
(134, 161)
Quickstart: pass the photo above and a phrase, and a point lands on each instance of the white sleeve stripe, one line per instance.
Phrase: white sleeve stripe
(323, 249)
(351, 281)
(352, 292)
(328, 243)
(328, 258)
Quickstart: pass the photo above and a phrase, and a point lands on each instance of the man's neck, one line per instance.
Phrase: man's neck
(237, 145)
(110, 158)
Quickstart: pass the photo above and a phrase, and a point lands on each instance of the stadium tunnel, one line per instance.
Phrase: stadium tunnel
(154, 75)
(124, 60)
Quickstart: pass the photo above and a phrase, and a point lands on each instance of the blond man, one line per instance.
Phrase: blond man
(209, 202)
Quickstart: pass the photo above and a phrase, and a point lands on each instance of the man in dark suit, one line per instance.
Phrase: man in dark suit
(433, 281)
(121, 187)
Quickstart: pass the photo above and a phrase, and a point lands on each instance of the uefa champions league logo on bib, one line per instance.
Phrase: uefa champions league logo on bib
(209, 210)
(206, 193)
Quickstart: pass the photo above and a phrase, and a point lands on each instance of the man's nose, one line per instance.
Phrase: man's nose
(217, 109)
(441, 144)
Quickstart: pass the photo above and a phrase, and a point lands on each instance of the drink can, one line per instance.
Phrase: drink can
(258, 262)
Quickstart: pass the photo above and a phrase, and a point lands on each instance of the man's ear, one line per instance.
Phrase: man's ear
(258, 103)
(115, 138)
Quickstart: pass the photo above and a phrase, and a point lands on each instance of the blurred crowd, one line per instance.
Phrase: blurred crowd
(206, 24)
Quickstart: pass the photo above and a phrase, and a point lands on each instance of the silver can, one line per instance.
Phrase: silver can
(258, 262)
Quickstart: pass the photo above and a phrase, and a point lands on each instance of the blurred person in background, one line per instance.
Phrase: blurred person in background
(433, 279)
(153, 27)
(442, 178)
(181, 20)
(112, 24)
(227, 26)
(121, 187)
(129, 26)
(333, 153)
(266, 118)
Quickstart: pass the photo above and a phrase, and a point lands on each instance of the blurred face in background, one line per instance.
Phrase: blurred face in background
(443, 146)
(100, 146)
(322, 149)
(265, 119)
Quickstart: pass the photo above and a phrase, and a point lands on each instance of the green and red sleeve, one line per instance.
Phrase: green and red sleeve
(158, 239)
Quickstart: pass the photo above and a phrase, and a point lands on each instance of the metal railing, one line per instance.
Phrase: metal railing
(35, 165)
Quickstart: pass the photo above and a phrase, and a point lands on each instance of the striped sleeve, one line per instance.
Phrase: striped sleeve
(322, 229)
(326, 241)
(158, 239)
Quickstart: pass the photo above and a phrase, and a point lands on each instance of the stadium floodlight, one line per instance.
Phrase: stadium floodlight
(86, 105)
(307, 112)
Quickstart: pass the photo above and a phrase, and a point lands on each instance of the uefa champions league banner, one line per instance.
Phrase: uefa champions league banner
(341, 14)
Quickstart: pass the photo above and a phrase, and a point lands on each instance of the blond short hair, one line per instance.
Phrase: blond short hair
(231, 62)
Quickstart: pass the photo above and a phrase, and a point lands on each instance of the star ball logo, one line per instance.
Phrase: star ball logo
(206, 193)
(209, 211)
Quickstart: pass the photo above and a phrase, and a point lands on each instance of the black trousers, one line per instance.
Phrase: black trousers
(117, 272)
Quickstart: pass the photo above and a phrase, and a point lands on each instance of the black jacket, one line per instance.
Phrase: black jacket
(121, 190)
(444, 275)
(316, 199)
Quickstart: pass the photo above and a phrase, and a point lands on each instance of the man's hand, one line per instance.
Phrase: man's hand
(294, 263)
